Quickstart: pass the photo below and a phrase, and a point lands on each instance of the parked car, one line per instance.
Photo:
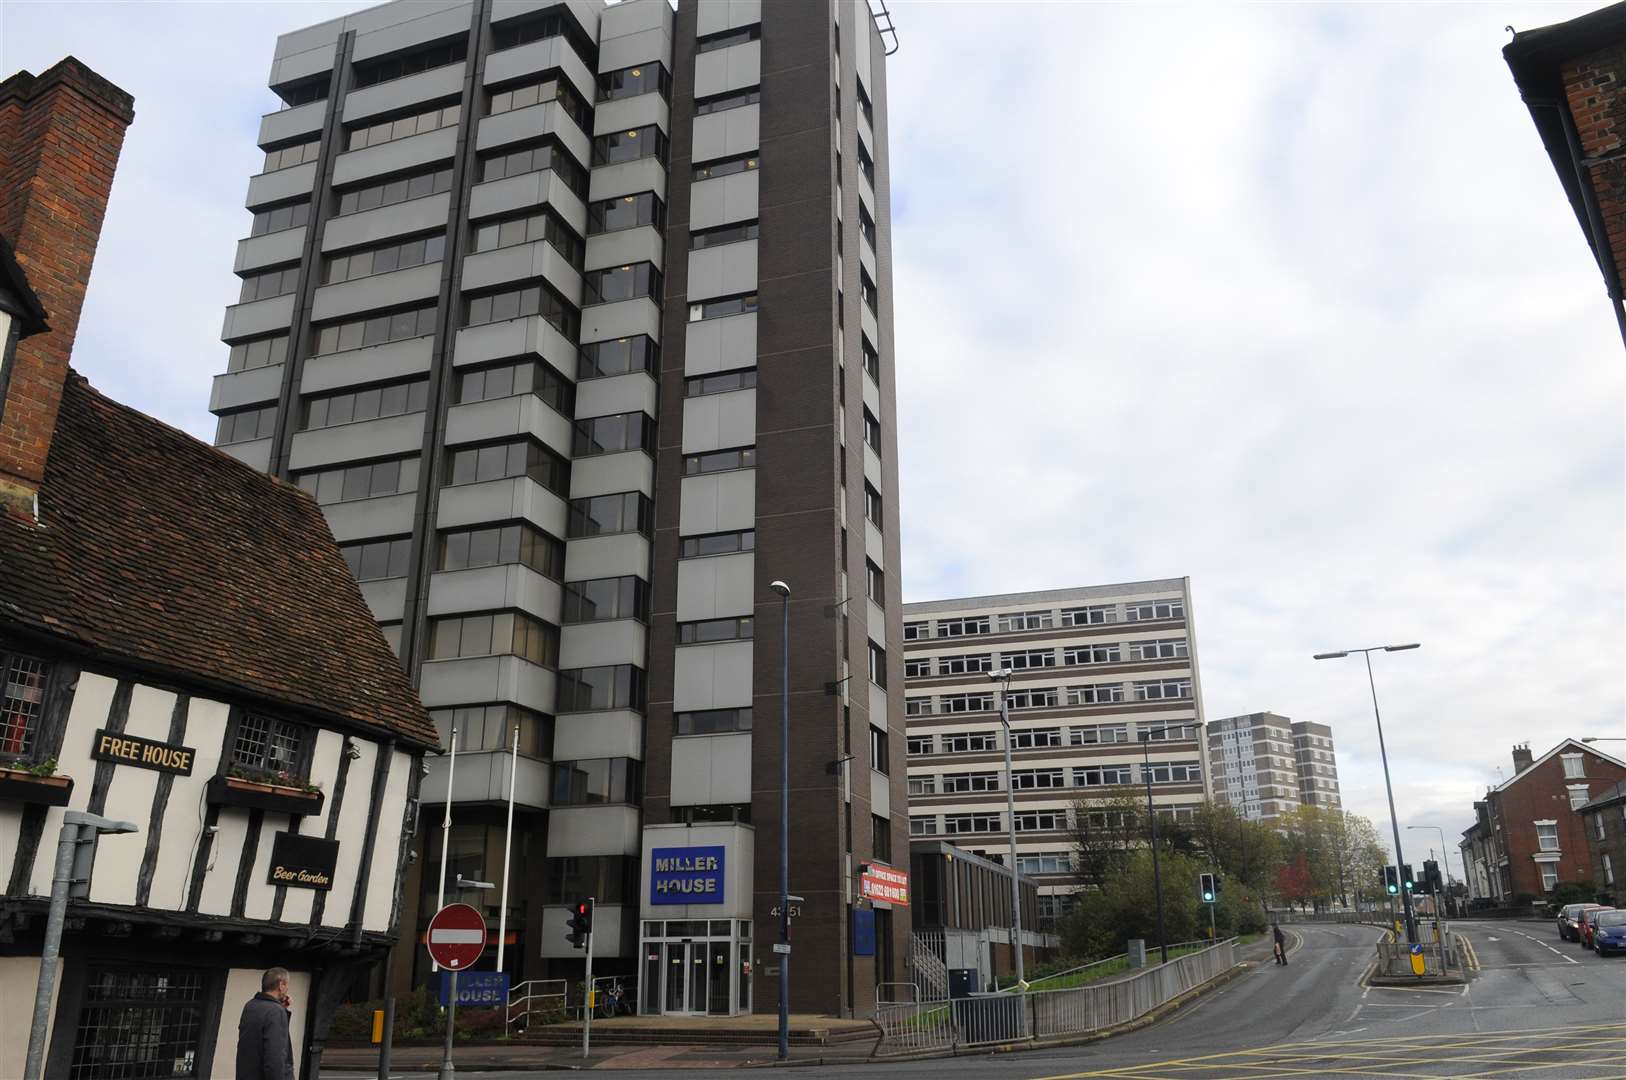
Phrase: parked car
(1609, 932)
(1567, 917)
(1586, 923)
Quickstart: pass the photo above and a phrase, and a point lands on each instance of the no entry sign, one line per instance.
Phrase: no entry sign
(457, 936)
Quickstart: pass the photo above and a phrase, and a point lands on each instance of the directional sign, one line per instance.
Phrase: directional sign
(781, 947)
(457, 936)
(476, 989)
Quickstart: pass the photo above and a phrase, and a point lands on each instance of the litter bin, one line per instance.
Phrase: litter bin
(962, 982)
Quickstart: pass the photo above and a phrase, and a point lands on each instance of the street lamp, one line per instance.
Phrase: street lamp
(784, 818)
(75, 856)
(1445, 856)
(1600, 738)
(1394, 821)
(1003, 677)
(1151, 816)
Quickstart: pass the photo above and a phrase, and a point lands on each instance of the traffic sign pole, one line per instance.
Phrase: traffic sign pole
(456, 938)
(587, 1013)
(447, 1069)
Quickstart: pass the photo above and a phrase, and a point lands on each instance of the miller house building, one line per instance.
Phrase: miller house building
(183, 652)
(576, 321)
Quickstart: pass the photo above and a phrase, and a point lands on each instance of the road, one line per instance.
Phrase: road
(1538, 1008)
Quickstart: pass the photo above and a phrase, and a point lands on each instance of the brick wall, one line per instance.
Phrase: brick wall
(60, 135)
(1597, 99)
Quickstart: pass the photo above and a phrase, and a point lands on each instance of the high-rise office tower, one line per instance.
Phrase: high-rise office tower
(576, 318)
(1095, 671)
(1255, 769)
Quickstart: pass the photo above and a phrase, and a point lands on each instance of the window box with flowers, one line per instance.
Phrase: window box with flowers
(24, 777)
(267, 768)
(40, 784)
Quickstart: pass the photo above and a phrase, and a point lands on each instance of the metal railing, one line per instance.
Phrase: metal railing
(984, 1019)
(1439, 957)
(928, 952)
(534, 998)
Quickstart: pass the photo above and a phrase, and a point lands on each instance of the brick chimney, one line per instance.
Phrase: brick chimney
(1522, 758)
(60, 135)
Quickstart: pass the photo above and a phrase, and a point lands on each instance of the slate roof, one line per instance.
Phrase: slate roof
(159, 550)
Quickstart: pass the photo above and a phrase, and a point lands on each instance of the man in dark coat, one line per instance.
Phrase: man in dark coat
(265, 1050)
(1280, 947)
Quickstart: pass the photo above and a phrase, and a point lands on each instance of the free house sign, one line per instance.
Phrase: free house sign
(686, 875)
(302, 862)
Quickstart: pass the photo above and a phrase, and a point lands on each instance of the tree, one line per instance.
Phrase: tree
(1294, 882)
(1243, 851)
(1106, 829)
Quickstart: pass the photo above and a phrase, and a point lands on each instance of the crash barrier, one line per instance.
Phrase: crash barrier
(1011, 1016)
(1439, 957)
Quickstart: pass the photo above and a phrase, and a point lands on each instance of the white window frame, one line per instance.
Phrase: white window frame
(1542, 837)
(1574, 766)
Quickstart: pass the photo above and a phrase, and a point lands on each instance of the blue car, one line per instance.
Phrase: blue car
(1609, 932)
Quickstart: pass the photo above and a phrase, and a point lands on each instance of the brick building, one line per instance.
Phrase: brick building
(1604, 822)
(1571, 76)
(1528, 834)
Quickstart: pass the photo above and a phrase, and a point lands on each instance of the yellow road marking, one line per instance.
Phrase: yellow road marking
(1483, 1047)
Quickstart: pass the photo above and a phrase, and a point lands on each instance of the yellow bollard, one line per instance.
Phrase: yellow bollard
(378, 1026)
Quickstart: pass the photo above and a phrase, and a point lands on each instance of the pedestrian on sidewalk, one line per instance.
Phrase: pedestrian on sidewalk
(1280, 947)
(265, 1050)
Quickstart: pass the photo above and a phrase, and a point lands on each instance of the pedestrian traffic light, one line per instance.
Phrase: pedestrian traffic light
(1391, 880)
(1209, 891)
(1406, 877)
(581, 924)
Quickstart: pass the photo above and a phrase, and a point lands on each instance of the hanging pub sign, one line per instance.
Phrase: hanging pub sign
(302, 862)
(122, 749)
(886, 884)
(686, 875)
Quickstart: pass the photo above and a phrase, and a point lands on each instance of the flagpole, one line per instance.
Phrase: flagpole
(507, 846)
(446, 831)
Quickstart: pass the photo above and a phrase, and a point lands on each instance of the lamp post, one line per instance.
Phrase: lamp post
(1394, 821)
(1445, 857)
(1600, 738)
(1003, 677)
(1151, 816)
(75, 857)
(784, 818)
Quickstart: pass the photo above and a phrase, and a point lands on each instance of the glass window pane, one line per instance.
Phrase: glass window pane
(483, 547)
(367, 404)
(455, 551)
(386, 477)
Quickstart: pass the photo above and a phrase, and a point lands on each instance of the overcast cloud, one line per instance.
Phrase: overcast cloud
(1284, 298)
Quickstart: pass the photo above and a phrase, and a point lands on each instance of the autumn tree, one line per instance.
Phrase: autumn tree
(1294, 882)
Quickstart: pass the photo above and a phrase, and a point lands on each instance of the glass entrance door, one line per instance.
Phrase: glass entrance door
(677, 954)
(697, 978)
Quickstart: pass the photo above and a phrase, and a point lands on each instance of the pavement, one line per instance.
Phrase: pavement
(1536, 1007)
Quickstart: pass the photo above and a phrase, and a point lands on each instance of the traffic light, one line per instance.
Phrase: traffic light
(1209, 889)
(1407, 879)
(1431, 878)
(1391, 880)
(581, 924)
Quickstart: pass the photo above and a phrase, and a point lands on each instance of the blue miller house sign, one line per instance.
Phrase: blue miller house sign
(686, 875)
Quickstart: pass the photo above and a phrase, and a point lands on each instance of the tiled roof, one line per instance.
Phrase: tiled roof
(155, 548)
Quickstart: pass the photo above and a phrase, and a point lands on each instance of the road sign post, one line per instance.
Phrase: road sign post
(456, 938)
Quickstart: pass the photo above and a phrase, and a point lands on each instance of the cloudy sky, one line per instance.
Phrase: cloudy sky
(1285, 298)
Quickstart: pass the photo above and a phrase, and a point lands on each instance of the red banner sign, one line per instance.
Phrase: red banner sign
(884, 883)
